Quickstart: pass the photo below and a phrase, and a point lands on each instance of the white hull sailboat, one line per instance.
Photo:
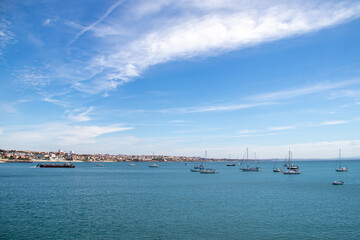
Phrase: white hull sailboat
(341, 169)
(292, 169)
(154, 165)
(248, 168)
(275, 168)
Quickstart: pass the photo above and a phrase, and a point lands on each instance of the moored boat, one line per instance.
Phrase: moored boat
(341, 168)
(295, 171)
(247, 168)
(54, 165)
(208, 171)
(275, 168)
(340, 182)
(250, 169)
(154, 165)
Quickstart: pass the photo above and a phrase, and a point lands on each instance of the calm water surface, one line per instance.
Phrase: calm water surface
(118, 201)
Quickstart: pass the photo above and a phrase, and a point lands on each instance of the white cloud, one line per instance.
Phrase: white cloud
(213, 29)
(248, 131)
(47, 21)
(6, 36)
(280, 128)
(333, 122)
(80, 116)
(57, 135)
(55, 101)
(302, 91)
(226, 107)
(84, 30)
(33, 77)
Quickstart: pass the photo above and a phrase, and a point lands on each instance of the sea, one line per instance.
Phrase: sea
(118, 201)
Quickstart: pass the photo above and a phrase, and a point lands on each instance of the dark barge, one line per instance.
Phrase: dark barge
(53, 165)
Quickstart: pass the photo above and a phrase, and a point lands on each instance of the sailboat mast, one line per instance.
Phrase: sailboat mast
(289, 158)
(339, 158)
(247, 157)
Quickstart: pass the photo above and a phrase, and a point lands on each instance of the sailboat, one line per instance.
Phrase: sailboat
(204, 170)
(208, 171)
(199, 167)
(341, 169)
(292, 169)
(154, 165)
(275, 168)
(248, 168)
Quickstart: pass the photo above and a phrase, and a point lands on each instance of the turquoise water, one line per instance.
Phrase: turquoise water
(118, 201)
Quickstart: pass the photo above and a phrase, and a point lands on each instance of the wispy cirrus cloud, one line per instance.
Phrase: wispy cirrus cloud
(303, 91)
(266, 99)
(84, 30)
(213, 108)
(280, 128)
(33, 77)
(6, 35)
(55, 134)
(227, 26)
(78, 115)
(55, 101)
(326, 123)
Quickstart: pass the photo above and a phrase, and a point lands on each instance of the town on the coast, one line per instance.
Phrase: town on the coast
(62, 156)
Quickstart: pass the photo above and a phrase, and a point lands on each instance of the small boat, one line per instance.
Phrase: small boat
(292, 167)
(197, 168)
(250, 169)
(132, 164)
(154, 165)
(341, 169)
(99, 165)
(295, 171)
(46, 165)
(340, 182)
(231, 165)
(208, 171)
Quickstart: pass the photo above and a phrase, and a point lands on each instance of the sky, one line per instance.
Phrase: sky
(181, 77)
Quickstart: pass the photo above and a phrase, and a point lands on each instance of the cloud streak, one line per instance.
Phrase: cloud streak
(88, 28)
(78, 116)
(6, 36)
(213, 108)
(303, 91)
(213, 30)
(57, 135)
(333, 123)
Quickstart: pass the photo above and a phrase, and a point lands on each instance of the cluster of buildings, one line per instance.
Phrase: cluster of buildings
(30, 156)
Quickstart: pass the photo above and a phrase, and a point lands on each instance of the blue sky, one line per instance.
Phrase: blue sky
(181, 77)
